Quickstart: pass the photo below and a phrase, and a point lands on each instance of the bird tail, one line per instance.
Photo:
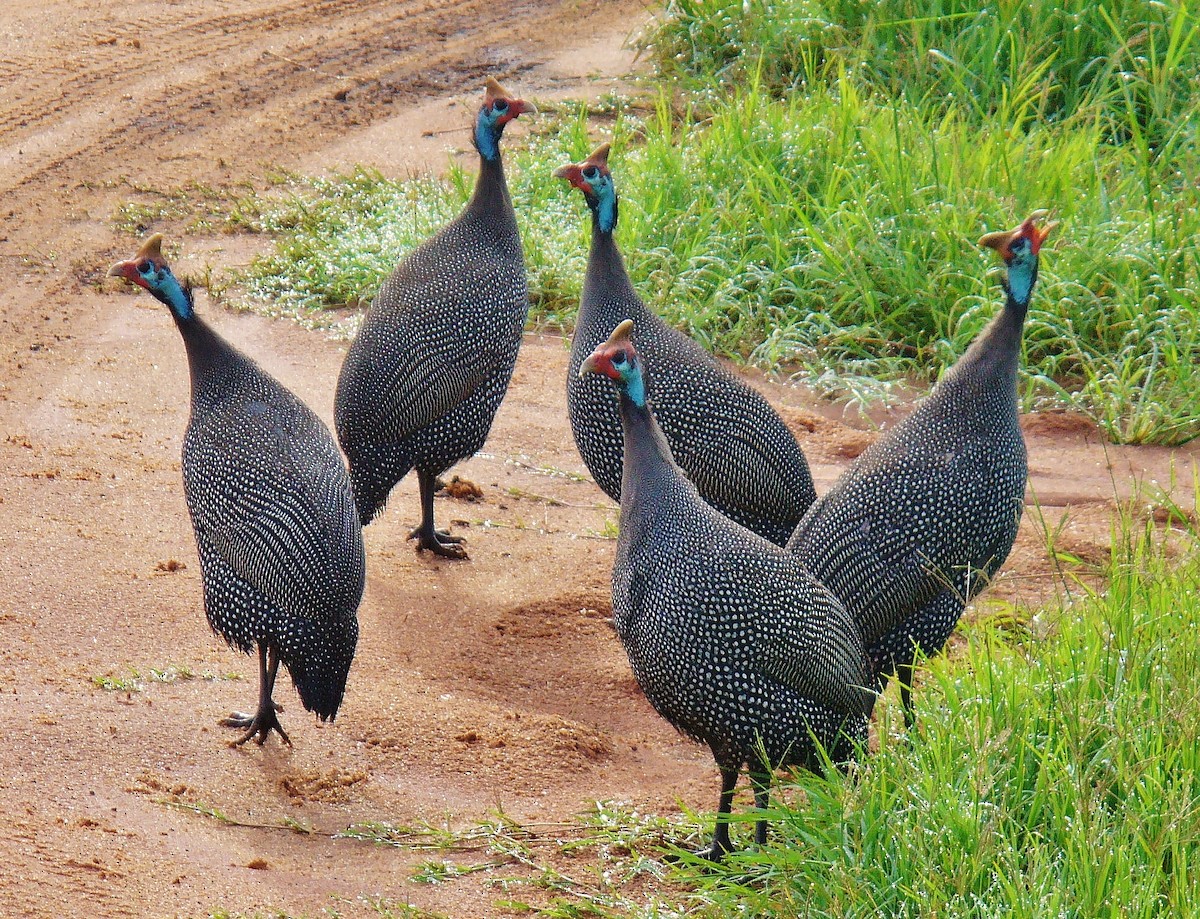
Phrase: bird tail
(318, 657)
(374, 471)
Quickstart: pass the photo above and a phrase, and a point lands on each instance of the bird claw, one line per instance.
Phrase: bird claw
(257, 727)
(237, 720)
(439, 542)
(711, 853)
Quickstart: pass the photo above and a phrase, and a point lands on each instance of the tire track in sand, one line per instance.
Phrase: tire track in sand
(161, 87)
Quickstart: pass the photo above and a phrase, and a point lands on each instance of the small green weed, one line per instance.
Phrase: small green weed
(198, 207)
(610, 530)
(392, 909)
(118, 684)
(135, 680)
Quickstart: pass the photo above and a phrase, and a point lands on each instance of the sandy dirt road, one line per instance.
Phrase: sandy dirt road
(495, 683)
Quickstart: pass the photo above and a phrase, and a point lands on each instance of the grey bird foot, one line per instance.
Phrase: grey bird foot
(257, 727)
(714, 853)
(439, 542)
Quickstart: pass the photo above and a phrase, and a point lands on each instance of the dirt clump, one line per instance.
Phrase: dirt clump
(328, 785)
(461, 489)
(1061, 424)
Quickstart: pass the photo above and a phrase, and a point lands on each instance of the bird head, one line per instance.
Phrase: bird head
(150, 270)
(499, 108)
(593, 178)
(618, 360)
(1019, 249)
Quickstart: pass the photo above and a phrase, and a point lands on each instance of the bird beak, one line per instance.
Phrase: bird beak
(122, 270)
(589, 366)
(524, 108)
(574, 175)
(1038, 236)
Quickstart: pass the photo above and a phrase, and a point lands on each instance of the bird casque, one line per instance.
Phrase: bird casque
(280, 545)
(923, 520)
(733, 642)
(430, 365)
(725, 436)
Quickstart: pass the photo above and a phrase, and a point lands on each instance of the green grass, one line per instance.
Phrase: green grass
(823, 220)
(840, 241)
(1056, 777)
(1003, 60)
(135, 680)
(196, 207)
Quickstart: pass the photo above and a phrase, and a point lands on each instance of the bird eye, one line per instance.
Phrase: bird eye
(590, 172)
(1020, 244)
(620, 359)
(500, 105)
(144, 266)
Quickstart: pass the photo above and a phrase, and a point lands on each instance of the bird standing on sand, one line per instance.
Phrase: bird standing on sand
(923, 520)
(733, 642)
(435, 353)
(281, 550)
(725, 436)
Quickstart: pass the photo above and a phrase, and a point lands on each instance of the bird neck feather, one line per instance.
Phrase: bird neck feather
(606, 275)
(604, 213)
(491, 188)
(176, 296)
(647, 452)
(1020, 282)
(486, 138)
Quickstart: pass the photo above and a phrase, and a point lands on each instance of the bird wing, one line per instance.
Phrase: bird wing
(714, 407)
(428, 380)
(804, 638)
(268, 493)
(428, 363)
(875, 539)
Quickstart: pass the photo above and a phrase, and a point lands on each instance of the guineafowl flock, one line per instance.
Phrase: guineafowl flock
(758, 618)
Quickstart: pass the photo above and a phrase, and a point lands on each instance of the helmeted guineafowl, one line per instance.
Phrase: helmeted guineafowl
(733, 642)
(281, 549)
(923, 520)
(433, 358)
(725, 436)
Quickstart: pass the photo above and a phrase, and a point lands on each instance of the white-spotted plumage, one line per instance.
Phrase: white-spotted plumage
(923, 520)
(726, 437)
(430, 365)
(277, 530)
(280, 544)
(733, 642)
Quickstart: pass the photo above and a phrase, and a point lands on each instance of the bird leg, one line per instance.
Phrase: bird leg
(721, 844)
(761, 782)
(260, 725)
(904, 676)
(899, 651)
(440, 542)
